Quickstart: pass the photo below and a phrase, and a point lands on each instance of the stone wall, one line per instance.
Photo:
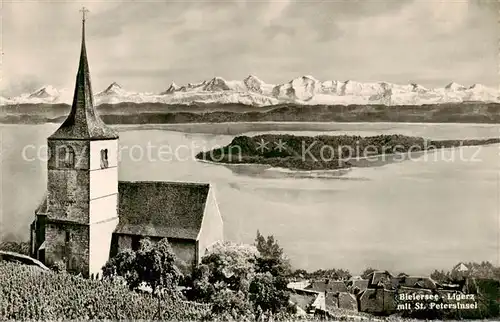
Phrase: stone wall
(81, 190)
(68, 195)
(67, 187)
(68, 243)
(56, 149)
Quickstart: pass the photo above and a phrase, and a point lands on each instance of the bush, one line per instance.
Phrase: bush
(243, 281)
(152, 265)
(59, 266)
(16, 247)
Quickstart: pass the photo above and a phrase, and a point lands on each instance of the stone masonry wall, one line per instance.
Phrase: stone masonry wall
(68, 243)
(68, 187)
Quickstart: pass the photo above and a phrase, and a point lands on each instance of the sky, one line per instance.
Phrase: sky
(146, 45)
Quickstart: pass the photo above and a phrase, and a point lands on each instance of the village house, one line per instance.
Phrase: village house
(322, 296)
(88, 215)
(375, 295)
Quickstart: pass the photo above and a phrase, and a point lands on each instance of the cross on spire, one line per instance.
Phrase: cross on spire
(84, 13)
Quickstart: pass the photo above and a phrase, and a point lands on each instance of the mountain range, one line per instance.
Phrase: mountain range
(304, 90)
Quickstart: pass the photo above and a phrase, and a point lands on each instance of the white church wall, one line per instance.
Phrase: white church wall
(103, 182)
(95, 153)
(104, 208)
(100, 245)
(212, 227)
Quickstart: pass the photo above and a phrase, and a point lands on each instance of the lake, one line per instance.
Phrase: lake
(413, 216)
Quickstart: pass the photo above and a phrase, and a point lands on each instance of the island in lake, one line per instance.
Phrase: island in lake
(323, 152)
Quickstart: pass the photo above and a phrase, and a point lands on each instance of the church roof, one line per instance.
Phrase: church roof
(83, 123)
(42, 207)
(161, 209)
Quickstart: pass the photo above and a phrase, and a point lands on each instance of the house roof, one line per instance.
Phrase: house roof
(460, 267)
(302, 300)
(328, 286)
(415, 282)
(83, 123)
(360, 284)
(380, 277)
(161, 209)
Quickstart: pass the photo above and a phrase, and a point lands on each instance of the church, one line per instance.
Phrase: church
(87, 215)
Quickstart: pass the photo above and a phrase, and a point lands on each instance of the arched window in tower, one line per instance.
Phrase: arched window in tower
(104, 158)
(65, 157)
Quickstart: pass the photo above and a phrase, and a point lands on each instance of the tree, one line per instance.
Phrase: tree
(484, 270)
(16, 247)
(268, 289)
(342, 274)
(272, 258)
(367, 272)
(223, 279)
(156, 265)
(59, 266)
(268, 247)
(240, 282)
(269, 293)
(334, 274)
(152, 264)
(299, 274)
(124, 266)
(228, 265)
(440, 276)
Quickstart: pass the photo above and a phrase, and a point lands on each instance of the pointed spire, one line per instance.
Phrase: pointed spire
(83, 122)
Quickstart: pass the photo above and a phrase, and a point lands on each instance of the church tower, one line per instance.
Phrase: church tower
(76, 223)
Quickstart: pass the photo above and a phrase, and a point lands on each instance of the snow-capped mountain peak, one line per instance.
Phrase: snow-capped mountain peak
(113, 89)
(253, 78)
(45, 92)
(216, 84)
(455, 87)
(418, 88)
(256, 85)
(309, 77)
(301, 90)
(478, 87)
(171, 89)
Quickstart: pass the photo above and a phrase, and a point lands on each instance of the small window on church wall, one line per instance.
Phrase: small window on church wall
(68, 237)
(104, 158)
(65, 157)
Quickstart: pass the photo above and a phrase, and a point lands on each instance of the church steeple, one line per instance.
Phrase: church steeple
(83, 123)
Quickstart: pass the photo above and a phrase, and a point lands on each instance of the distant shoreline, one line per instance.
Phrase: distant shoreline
(304, 122)
(145, 113)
